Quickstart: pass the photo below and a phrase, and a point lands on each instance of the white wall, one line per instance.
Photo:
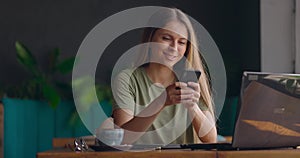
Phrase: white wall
(277, 35)
(297, 37)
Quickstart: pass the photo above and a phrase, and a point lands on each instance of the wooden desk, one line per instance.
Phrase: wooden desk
(279, 153)
(65, 153)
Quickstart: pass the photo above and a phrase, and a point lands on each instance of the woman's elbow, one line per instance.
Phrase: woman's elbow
(210, 137)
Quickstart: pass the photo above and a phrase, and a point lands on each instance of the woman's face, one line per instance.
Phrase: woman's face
(171, 45)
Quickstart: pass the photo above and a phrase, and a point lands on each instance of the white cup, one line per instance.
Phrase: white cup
(110, 137)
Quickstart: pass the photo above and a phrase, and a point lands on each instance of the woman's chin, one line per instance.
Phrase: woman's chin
(165, 62)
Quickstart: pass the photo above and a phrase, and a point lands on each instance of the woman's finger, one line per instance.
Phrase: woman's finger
(194, 85)
(197, 95)
(180, 85)
(186, 97)
(187, 91)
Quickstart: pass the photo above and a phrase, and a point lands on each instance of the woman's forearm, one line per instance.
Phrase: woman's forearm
(203, 122)
(135, 126)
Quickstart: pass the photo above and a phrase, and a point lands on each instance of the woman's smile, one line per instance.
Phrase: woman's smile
(170, 56)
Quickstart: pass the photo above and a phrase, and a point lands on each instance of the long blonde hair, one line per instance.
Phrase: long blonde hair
(193, 56)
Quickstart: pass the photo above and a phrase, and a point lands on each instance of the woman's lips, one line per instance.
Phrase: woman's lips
(170, 56)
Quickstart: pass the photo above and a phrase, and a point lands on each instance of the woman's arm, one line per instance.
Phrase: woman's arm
(202, 121)
(135, 126)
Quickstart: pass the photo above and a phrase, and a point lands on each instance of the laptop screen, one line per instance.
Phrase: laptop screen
(269, 114)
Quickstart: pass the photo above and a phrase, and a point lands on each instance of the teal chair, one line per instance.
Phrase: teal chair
(30, 126)
(226, 120)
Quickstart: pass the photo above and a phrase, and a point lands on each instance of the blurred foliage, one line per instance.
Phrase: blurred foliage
(88, 94)
(292, 84)
(43, 83)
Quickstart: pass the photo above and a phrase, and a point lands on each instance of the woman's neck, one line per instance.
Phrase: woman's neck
(160, 74)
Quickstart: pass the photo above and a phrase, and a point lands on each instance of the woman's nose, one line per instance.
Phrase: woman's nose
(173, 45)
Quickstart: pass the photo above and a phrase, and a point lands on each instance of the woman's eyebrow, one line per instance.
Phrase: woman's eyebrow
(166, 33)
(172, 35)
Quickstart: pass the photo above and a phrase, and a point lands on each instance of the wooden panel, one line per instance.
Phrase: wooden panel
(62, 142)
(65, 153)
(153, 154)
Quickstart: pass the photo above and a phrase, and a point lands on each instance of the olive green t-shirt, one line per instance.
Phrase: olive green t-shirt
(134, 91)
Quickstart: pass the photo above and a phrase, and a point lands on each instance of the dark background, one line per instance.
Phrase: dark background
(44, 25)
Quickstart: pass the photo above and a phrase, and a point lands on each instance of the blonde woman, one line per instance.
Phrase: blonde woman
(151, 104)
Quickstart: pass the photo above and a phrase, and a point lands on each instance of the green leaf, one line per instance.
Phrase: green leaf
(104, 93)
(25, 58)
(65, 89)
(51, 95)
(74, 119)
(66, 66)
(53, 59)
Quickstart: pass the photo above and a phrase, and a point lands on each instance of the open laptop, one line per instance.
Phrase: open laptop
(268, 114)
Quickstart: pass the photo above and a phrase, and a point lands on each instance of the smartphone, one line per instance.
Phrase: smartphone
(190, 76)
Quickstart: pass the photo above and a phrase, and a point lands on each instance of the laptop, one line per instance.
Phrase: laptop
(268, 114)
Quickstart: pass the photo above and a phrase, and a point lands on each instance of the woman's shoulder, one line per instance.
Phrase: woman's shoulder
(132, 72)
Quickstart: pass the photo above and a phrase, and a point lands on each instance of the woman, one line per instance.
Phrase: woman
(151, 105)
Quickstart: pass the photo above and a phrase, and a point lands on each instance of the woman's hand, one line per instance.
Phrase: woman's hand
(186, 93)
(194, 92)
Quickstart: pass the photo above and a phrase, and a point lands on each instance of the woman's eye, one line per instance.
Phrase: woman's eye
(166, 38)
(182, 43)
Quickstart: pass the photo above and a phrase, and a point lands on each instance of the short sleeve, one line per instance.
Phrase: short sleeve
(123, 91)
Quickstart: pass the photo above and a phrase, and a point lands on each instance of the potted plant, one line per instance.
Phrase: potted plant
(41, 107)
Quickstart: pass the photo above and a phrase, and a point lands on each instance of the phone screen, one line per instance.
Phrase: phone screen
(190, 76)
